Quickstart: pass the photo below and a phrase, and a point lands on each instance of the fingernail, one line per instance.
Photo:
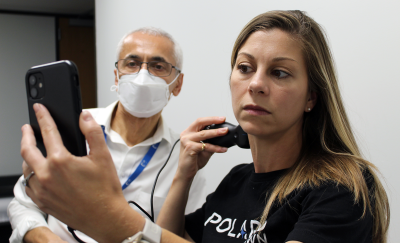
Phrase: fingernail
(87, 116)
(223, 130)
(222, 118)
(224, 149)
(37, 107)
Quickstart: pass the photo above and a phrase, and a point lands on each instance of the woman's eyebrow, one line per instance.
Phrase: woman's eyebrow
(246, 54)
(277, 59)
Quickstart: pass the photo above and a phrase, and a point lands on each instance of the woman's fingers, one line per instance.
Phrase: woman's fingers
(194, 153)
(191, 138)
(192, 141)
(214, 148)
(207, 134)
(202, 122)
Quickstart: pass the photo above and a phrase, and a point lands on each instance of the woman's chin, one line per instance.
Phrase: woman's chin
(253, 129)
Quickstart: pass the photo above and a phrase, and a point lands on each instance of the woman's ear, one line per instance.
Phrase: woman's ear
(311, 101)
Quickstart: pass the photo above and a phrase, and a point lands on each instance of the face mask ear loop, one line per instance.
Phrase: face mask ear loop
(168, 94)
(115, 87)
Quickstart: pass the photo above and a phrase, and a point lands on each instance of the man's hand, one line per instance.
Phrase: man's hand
(83, 192)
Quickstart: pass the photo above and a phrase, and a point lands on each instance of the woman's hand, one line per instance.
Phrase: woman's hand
(192, 156)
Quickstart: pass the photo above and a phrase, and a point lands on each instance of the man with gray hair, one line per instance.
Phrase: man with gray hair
(147, 72)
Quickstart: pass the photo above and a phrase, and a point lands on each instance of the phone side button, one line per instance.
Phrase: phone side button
(78, 104)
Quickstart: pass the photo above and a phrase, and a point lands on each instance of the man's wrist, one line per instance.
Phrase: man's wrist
(151, 233)
(118, 223)
(128, 224)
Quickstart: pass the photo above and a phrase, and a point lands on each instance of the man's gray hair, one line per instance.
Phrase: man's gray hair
(157, 32)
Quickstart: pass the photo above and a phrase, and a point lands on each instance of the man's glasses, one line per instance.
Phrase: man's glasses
(156, 68)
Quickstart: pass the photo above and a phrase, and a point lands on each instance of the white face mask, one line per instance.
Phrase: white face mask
(141, 94)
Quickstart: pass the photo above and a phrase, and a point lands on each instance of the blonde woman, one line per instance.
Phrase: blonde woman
(307, 183)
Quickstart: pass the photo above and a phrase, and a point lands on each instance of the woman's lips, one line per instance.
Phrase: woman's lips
(256, 110)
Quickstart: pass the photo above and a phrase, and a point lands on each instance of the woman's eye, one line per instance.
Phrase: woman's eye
(280, 74)
(244, 69)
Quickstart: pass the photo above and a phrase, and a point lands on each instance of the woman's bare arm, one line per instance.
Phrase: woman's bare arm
(193, 156)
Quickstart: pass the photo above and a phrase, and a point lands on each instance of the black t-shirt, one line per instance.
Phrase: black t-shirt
(231, 214)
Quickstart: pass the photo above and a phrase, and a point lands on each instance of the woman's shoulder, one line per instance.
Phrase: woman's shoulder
(240, 170)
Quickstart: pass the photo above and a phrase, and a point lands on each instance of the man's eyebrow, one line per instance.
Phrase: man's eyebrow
(155, 58)
(133, 56)
(158, 58)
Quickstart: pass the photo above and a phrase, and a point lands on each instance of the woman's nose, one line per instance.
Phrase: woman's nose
(259, 84)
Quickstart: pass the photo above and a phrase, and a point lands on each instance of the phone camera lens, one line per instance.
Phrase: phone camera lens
(34, 92)
(32, 79)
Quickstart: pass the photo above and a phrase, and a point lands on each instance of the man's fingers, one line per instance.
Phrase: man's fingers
(26, 170)
(51, 136)
(29, 152)
(93, 133)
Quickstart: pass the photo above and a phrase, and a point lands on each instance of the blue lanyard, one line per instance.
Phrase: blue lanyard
(143, 163)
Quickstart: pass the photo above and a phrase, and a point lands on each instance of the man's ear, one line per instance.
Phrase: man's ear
(116, 78)
(311, 101)
(178, 87)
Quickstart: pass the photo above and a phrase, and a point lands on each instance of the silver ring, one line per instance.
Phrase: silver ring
(25, 181)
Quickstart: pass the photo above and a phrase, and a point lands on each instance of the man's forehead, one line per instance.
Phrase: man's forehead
(145, 46)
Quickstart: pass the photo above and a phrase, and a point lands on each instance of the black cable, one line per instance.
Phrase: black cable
(155, 181)
(74, 235)
(141, 209)
(151, 217)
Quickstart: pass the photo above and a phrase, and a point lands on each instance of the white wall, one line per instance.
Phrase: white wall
(25, 41)
(363, 35)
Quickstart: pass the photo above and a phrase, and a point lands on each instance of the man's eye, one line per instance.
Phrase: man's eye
(132, 64)
(280, 74)
(244, 69)
(159, 67)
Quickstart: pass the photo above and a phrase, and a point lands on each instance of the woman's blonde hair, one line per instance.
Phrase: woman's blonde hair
(329, 151)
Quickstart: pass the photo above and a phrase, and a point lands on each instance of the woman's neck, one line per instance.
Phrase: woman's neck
(275, 153)
(133, 130)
